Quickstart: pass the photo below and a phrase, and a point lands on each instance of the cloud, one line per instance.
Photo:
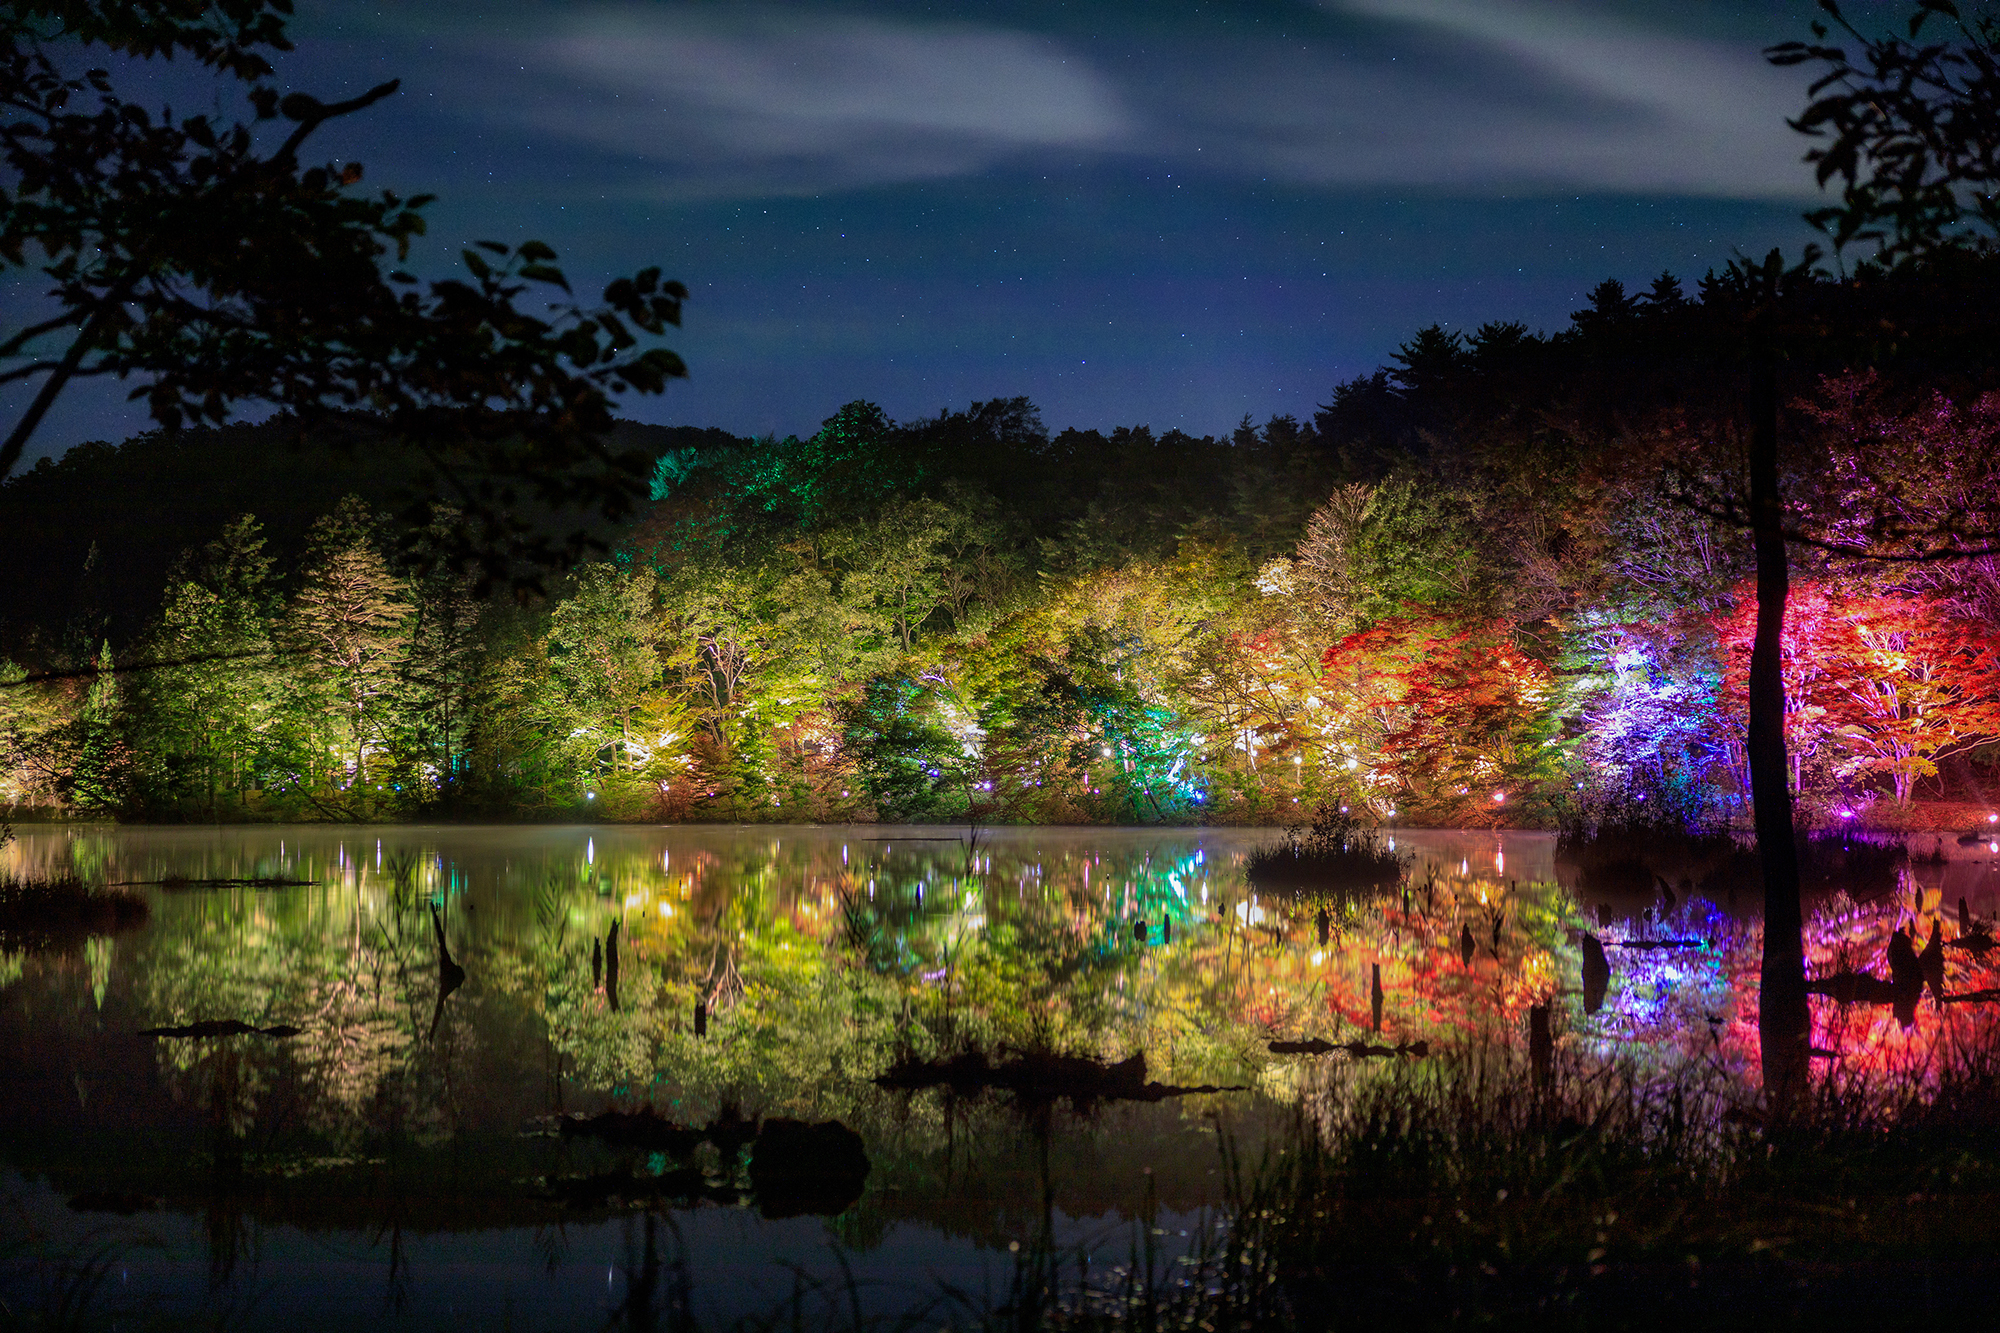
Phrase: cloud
(1451, 94)
(782, 100)
(1573, 96)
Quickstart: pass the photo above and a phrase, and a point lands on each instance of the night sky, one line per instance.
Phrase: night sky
(1168, 213)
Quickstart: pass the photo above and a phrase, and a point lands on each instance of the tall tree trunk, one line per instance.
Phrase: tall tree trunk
(1783, 1020)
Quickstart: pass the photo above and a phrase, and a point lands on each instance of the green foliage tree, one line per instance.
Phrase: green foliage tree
(99, 779)
(201, 719)
(603, 659)
(897, 565)
(914, 769)
(202, 711)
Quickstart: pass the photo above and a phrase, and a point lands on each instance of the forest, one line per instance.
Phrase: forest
(1500, 581)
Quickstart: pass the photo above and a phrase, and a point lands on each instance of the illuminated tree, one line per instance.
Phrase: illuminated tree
(719, 642)
(1370, 550)
(1911, 475)
(913, 768)
(202, 715)
(603, 659)
(896, 565)
(1651, 745)
(348, 628)
(1890, 682)
(1467, 723)
(201, 721)
(1806, 668)
(439, 677)
(33, 753)
(99, 778)
(1328, 569)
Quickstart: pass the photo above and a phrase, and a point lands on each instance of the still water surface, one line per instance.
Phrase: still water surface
(398, 1160)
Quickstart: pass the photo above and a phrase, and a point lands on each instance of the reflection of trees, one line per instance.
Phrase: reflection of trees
(817, 967)
(360, 984)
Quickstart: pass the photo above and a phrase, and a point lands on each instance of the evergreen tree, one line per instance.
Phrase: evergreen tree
(439, 675)
(347, 631)
(201, 713)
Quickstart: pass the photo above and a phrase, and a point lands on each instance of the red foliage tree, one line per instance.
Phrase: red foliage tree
(1465, 718)
(1891, 682)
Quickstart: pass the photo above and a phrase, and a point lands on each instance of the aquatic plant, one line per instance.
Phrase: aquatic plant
(62, 911)
(1334, 854)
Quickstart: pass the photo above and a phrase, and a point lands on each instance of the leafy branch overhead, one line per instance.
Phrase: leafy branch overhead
(205, 264)
(1910, 129)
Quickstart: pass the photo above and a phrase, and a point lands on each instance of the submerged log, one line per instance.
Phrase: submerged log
(221, 1027)
(1358, 1050)
(1596, 973)
(1035, 1077)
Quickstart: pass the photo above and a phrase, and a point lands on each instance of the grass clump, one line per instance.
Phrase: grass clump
(1464, 1191)
(1334, 854)
(62, 911)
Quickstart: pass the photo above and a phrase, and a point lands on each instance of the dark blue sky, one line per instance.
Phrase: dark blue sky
(1165, 213)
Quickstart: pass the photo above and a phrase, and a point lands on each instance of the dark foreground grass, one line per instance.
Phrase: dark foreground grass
(62, 911)
(1455, 1193)
(1459, 1192)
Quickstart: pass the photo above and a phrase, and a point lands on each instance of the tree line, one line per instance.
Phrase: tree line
(1505, 579)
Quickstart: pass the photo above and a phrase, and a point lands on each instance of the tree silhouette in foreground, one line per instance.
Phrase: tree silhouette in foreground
(1913, 132)
(213, 269)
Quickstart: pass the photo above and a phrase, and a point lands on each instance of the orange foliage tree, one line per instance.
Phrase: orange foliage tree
(1467, 723)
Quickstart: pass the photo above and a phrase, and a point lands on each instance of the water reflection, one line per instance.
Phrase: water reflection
(453, 989)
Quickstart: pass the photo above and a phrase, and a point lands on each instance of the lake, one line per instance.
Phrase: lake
(425, 1147)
